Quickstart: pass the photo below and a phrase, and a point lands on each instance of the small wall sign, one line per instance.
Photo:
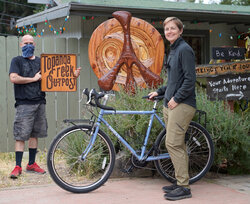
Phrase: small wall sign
(228, 53)
(57, 72)
(229, 87)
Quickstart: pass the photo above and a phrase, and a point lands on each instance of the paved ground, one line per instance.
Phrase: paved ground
(228, 189)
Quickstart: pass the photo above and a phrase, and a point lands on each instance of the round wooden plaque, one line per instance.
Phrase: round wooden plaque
(106, 43)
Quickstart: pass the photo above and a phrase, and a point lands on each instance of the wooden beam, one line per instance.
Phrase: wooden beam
(210, 70)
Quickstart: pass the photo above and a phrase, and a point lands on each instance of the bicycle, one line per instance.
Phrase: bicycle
(81, 157)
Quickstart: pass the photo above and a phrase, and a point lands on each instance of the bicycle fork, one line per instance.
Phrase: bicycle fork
(93, 135)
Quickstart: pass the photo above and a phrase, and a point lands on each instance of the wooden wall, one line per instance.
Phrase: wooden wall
(60, 105)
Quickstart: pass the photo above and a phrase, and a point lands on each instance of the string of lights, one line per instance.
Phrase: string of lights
(232, 36)
(31, 28)
(61, 29)
(220, 35)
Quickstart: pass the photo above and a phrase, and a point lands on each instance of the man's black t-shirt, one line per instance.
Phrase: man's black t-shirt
(27, 93)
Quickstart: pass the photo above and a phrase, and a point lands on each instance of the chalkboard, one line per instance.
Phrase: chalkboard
(229, 87)
(228, 53)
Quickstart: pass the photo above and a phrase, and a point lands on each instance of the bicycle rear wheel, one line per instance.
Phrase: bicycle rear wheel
(67, 168)
(200, 150)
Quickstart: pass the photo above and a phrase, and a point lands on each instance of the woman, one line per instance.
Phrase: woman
(179, 105)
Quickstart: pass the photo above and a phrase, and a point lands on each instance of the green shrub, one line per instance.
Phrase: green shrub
(230, 133)
(132, 127)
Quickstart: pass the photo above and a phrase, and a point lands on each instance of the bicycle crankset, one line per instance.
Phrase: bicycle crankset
(136, 162)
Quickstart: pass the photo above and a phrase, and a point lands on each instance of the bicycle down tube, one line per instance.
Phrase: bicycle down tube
(100, 119)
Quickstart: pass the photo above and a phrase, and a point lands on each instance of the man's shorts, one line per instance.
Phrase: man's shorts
(30, 121)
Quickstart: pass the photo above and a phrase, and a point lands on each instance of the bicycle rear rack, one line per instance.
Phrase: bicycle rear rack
(201, 114)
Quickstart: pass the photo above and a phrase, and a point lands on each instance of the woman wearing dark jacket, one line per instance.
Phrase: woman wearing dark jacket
(179, 105)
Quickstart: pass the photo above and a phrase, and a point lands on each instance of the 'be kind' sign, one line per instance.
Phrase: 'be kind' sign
(57, 72)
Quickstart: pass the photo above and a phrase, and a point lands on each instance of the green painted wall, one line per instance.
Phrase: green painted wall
(60, 105)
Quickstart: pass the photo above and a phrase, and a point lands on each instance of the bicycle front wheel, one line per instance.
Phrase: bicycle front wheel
(200, 151)
(67, 168)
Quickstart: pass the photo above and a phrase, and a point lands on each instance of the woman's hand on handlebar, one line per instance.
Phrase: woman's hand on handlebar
(151, 95)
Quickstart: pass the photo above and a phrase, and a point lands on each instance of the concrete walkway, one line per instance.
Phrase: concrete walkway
(229, 190)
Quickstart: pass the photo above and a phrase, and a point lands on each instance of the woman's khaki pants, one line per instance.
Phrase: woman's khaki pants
(177, 122)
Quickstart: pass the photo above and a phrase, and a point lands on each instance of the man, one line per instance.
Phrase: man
(30, 121)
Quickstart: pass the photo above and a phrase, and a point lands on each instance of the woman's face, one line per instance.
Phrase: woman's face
(172, 32)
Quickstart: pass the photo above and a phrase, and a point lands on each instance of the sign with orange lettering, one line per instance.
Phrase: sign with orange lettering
(57, 72)
(223, 68)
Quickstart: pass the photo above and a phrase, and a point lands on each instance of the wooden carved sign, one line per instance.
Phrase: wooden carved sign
(226, 81)
(57, 72)
(223, 68)
(126, 51)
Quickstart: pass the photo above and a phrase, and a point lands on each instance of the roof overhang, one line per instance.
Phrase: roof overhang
(80, 9)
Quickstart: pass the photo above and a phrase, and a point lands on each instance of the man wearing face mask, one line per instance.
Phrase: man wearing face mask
(30, 121)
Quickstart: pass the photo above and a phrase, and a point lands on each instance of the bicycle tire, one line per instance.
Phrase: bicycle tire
(70, 172)
(200, 149)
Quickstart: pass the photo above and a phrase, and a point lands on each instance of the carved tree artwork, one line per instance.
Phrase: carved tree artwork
(126, 51)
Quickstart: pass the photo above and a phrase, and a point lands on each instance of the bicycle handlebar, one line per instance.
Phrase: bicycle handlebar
(156, 98)
(92, 94)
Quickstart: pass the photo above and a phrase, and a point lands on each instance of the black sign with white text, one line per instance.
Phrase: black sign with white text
(228, 53)
(229, 87)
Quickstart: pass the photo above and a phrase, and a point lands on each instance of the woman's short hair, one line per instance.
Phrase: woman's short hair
(176, 20)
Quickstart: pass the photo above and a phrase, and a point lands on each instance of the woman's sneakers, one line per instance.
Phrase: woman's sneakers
(168, 189)
(175, 192)
(17, 171)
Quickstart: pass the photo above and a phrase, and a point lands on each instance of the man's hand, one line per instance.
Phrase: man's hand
(38, 76)
(77, 72)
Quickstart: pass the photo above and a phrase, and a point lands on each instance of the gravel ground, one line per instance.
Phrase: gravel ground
(7, 163)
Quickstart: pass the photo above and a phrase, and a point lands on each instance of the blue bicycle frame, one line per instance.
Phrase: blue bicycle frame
(140, 157)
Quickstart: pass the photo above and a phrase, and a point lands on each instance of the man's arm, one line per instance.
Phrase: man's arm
(17, 79)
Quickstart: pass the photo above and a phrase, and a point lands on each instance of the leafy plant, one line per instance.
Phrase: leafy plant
(230, 132)
(133, 127)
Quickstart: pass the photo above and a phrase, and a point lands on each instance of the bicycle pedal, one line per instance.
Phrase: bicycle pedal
(128, 170)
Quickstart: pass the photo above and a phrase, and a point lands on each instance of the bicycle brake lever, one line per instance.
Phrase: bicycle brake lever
(90, 93)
